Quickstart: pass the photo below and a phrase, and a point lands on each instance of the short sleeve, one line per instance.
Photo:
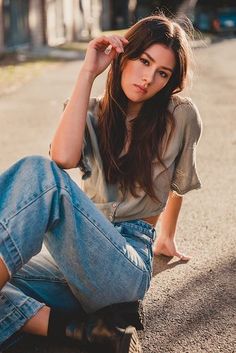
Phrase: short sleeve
(185, 177)
(85, 164)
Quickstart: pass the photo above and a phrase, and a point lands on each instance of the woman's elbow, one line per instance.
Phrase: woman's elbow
(64, 162)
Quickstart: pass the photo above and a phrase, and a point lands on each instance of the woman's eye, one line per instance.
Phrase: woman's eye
(144, 61)
(163, 74)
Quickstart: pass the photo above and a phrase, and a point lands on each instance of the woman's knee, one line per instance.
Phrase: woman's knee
(35, 162)
(39, 165)
(37, 170)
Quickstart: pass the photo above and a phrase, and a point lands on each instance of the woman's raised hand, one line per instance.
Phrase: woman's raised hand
(101, 51)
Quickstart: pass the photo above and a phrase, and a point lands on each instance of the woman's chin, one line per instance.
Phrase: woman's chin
(134, 99)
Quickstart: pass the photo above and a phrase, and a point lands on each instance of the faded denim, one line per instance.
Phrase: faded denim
(89, 261)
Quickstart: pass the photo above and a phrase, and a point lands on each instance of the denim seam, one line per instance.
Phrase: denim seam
(146, 239)
(15, 308)
(32, 201)
(104, 234)
(144, 230)
(139, 223)
(38, 279)
(9, 239)
(145, 281)
(33, 309)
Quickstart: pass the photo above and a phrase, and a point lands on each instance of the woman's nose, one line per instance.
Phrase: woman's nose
(148, 77)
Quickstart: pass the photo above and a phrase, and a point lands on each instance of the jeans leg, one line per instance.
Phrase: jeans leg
(42, 280)
(37, 283)
(15, 309)
(40, 201)
(29, 205)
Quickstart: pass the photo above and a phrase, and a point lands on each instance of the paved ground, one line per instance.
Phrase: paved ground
(190, 307)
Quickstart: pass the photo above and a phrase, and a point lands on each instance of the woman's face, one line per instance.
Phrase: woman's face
(143, 77)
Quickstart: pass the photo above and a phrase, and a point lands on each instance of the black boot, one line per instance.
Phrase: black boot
(109, 330)
(125, 314)
(102, 332)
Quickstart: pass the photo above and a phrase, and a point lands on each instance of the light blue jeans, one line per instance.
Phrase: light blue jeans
(89, 261)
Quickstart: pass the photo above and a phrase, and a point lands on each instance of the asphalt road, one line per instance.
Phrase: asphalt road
(190, 307)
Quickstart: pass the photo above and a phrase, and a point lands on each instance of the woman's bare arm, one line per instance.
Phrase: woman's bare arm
(165, 243)
(170, 215)
(67, 142)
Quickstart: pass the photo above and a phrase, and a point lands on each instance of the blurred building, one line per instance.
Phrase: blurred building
(34, 23)
(51, 22)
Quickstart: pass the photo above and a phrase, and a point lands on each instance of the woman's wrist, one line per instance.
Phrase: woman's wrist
(166, 234)
(87, 73)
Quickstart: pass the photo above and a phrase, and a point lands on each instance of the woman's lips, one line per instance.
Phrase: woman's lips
(140, 89)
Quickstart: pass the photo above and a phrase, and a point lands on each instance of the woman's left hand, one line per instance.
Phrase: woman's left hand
(167, 247)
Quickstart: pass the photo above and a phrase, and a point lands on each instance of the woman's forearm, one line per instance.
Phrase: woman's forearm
(67, 142)
(170, 215)
(165, 243)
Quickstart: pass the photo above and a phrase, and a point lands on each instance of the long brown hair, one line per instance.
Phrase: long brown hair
(134, 169)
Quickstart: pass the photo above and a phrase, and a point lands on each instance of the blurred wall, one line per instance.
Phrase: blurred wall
(1, 28)
(36, 22)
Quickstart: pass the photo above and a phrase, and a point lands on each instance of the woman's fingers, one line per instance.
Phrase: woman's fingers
(182, 257)
(101, 51)
(118, 42)
(106, 43)
(168, 247)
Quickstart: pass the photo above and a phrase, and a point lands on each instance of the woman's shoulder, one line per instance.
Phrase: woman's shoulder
(184, 109)
(181, 102)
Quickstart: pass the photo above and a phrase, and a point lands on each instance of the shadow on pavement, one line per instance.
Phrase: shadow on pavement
(202, 312)
(161, 263)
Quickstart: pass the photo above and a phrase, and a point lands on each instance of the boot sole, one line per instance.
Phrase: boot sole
(130, 342)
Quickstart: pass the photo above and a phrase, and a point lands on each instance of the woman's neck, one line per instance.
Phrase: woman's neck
(133, 110)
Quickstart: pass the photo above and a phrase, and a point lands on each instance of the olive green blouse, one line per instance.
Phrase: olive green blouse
(179, 158)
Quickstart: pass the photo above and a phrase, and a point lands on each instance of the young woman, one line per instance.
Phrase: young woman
(135, 146)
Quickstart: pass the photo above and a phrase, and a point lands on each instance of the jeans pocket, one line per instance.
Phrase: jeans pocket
(143, 248)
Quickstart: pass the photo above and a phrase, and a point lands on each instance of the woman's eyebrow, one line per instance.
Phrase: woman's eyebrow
(151, 58)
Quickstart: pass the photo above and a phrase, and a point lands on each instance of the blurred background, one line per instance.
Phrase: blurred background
(34, 23)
